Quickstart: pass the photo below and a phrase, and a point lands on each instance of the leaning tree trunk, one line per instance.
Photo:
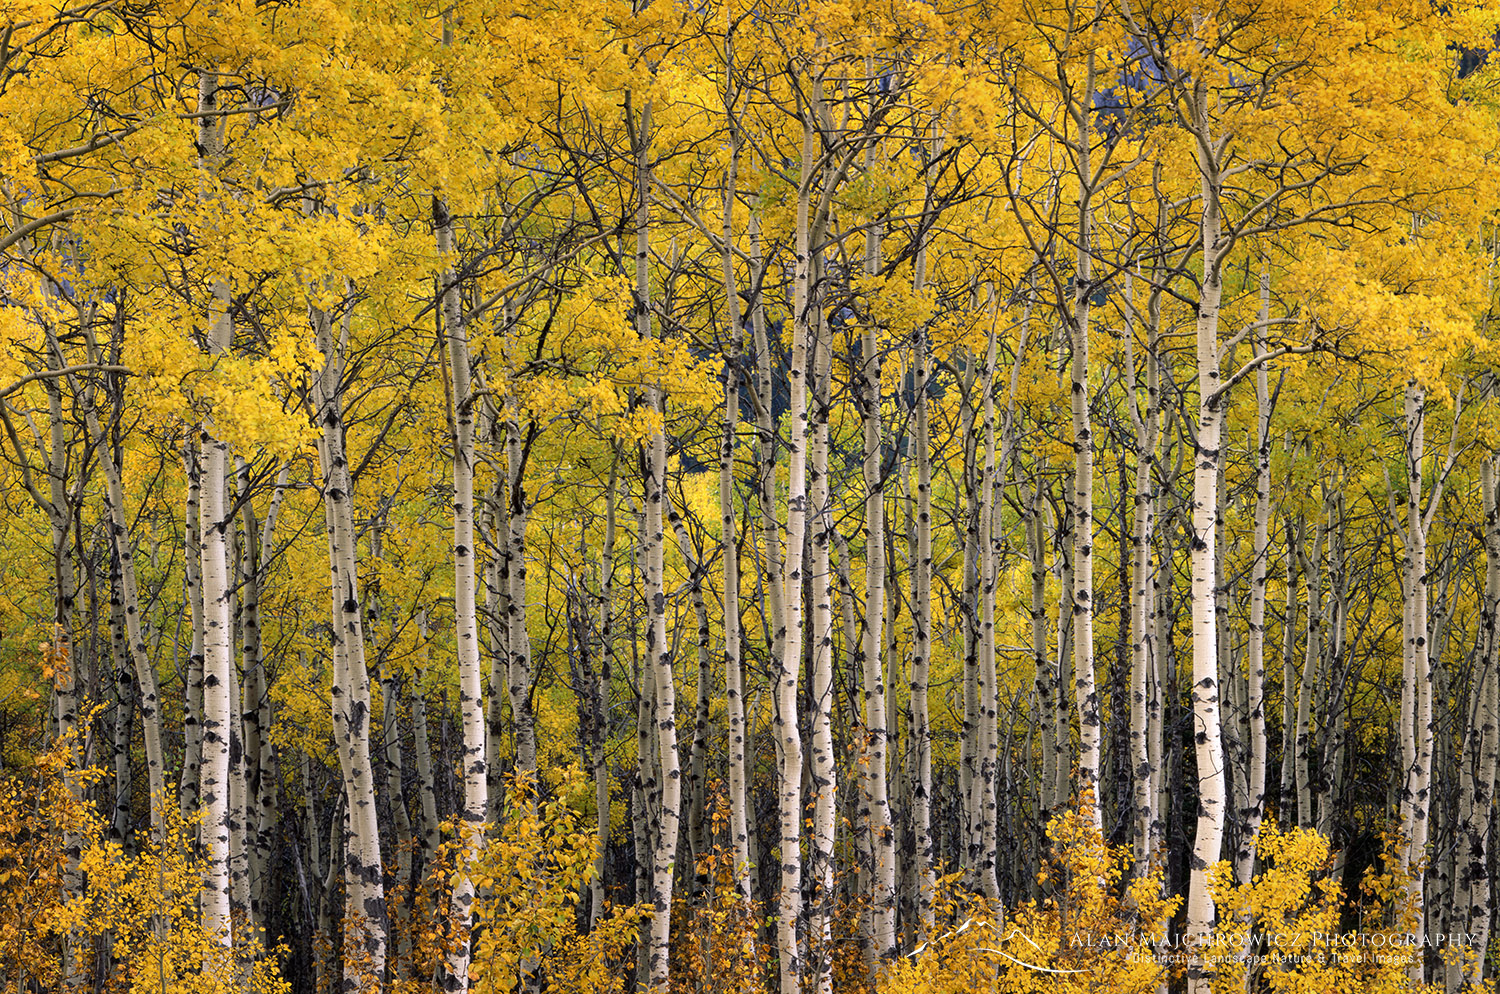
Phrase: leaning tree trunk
(148, 702)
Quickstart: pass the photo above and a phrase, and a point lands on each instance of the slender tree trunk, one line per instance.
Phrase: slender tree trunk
(192, 720)
(882, 833)
(123, 548)
(654, 546)
(124, 684)
(364, 887)
(987, 736)
(422, 744)
(921, 663)
(1416, 684)
(1208, 744)
(519, 672)
(824, 787)
(734, 693)
(602, 694)
(1287, 803)
(1312, 571)
(787, 664)
(465, 611)
(218, 655)
(1482, 752)
(1090, 715)
(1252, 806)
(1147, 424)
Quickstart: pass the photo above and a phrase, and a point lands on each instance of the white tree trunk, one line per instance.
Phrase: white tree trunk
(1483, 752)
(824, 778)
(1143, 646)
(471, 703)
(788, 663)
(218, 655)
(1208, 744)
(192, 712)
(653, 540)
(882, 833)
(364, 898)
(1252, 807)
(1090, 716)
(734, 694)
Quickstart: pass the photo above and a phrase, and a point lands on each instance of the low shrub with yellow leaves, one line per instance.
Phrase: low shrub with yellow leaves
(44, 825)
(529, 877)
(715, 947)
(1097, 931)
(76, 909)
(1281, 932)
(146, 906)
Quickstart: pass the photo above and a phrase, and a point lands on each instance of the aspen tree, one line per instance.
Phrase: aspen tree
(787, 664)
(364, 918)
(518, 678)
(1416, 730)
(606, 676)
(1208, 743)
(762, 395)
(390, 737)
(130, 609)
(824, 768)
(697, 786)
(1481, 752)
(192, 722)
(422, 741)
(1086, 694)
(1041, 659)
(1312, 573)
(728, 520)
(1143, 649)
(921, 597)
(466, 624)
(881, 828)
(1252, 806)
(987, 735)
(653, 541)
(1286, 806)
(218, 659)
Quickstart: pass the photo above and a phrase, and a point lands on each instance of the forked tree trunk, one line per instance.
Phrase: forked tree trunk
(364, 885)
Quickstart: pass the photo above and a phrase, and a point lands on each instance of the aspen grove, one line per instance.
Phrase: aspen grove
(770, 496)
